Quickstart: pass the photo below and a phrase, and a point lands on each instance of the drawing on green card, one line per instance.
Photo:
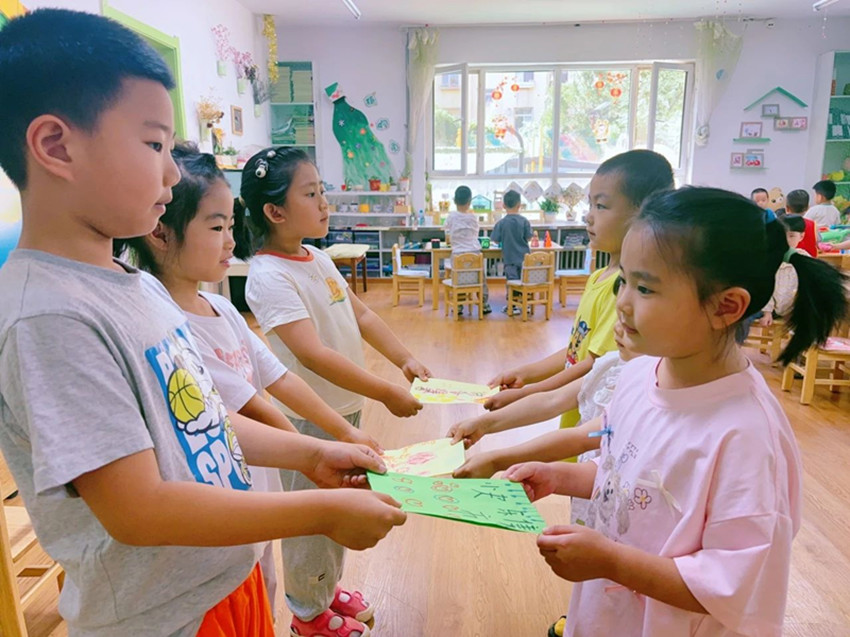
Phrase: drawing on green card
(496, 503)
(432, 458)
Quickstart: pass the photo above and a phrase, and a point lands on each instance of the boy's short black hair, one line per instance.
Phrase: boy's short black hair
(511, 199)
(794, 223)
(463, 196)
(797, 201)
(825, 189)
(67, 63)
(758, 190)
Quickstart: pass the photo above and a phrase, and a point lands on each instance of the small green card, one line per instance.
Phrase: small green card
(497, 503)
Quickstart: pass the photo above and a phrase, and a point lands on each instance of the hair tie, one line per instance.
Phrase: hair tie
(787, 257)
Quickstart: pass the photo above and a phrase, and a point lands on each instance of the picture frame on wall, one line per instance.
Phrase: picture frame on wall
(751, 129)
(782, 123)
(236, 121)
(799, 123)
(754, 158)
(736, 160)
(770, 110)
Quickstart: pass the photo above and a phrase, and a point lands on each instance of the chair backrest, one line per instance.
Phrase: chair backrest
(538, 268)
(396, 258)
(468, 269)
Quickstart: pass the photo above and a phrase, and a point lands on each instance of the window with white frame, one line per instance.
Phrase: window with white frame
(558, 121)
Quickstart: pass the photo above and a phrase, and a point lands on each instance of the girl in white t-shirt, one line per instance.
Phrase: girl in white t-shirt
(193, 244)
(316, 328)
(695, 499)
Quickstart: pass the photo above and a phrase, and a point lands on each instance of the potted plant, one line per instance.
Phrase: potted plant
(550, 209)
(229, 157)
(404, 182)
(223, 50)
(392, 186)
(246, 70)
(209, 113)
(374, 184)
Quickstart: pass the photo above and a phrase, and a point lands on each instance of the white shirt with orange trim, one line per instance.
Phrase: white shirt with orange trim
(283, 289)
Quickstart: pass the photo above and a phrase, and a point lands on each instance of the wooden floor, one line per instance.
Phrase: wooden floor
(434, 578)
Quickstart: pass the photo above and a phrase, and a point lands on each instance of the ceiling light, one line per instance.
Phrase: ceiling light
(817, 6)
(356, 12)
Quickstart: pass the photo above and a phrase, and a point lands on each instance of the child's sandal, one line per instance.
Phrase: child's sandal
(329, 624)
(352, 604)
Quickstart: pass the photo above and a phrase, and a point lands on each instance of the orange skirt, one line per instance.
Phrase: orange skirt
(244, 613)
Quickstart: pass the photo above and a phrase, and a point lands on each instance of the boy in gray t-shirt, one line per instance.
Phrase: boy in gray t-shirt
(127, 460)
(513, 232)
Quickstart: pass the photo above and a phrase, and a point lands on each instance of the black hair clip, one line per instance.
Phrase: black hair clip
(262, 168)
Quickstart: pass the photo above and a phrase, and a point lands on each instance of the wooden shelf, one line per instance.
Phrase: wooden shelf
(751, 140)
(834, 141)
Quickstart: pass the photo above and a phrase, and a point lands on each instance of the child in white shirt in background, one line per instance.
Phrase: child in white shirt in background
(462, 232)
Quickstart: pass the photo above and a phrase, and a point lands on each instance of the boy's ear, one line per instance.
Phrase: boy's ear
(729, 307)
(48, 138)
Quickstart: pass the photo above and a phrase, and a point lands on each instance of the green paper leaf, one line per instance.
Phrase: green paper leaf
(498, 503)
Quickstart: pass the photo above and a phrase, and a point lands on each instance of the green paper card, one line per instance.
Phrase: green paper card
(433, 458)
(497, 503)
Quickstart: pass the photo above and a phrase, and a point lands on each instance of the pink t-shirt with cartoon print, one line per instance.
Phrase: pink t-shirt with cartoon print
(709, 476)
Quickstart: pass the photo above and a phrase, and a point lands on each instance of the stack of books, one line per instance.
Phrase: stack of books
(281, 91)
(302, 86)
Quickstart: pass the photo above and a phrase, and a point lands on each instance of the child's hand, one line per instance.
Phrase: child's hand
(341, 464)
(502, 399)
(766, 320)
(412, 368)
(577, 553)
(359, 437)
(360, 519)
(470, 431)
(481, 465)
(400, 402)
(538, 478)
(507, 380)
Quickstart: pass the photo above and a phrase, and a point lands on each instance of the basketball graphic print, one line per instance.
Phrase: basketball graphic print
(185, 396)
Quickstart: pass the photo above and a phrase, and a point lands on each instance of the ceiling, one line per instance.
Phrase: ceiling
(478, 12)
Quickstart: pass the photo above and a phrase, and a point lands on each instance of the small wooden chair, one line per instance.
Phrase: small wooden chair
(466, 285)
(831, 359)
(768, 339)
(537, 286)
(18, 547)
(406, 280)
(573, 281)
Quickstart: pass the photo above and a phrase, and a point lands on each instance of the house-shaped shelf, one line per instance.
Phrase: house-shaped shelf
(781, 91)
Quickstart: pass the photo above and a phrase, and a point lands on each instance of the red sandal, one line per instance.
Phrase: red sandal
(328, 624)
(352, 604)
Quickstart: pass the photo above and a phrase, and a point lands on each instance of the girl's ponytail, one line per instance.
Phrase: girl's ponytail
(242, 236)
(821, 304)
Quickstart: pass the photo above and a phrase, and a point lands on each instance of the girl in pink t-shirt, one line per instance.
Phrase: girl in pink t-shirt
(695, 499)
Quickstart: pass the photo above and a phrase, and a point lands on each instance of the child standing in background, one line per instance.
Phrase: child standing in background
(617, 190)
(316, 328)
(192, 244)
(785, 289)
(823, 213)
(462, 232)
(797, 202)
(695, 499)
(513, 232)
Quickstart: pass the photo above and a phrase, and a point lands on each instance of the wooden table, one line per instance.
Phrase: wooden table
(444, 252)
(840, 261)
(350, 254)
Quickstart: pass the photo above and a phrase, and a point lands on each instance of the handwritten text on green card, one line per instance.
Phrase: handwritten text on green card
(498, 503)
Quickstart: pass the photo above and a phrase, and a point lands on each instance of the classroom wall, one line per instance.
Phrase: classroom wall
(363, 61)
(373, 57)
(191, 21)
